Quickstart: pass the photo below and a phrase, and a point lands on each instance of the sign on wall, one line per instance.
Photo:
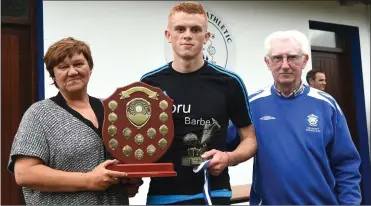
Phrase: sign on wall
(219, 49)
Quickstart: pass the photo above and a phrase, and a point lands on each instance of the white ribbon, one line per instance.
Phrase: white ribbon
(206, 180)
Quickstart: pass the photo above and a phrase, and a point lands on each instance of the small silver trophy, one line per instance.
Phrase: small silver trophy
(197, 147)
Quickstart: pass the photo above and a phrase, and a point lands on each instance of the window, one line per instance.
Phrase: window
(322, 38)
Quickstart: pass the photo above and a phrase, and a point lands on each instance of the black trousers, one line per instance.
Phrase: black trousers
(214, 200)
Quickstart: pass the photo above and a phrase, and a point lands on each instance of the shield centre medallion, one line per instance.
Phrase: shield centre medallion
(138, 111)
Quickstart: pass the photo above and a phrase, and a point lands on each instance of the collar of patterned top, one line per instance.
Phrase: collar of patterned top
(296, 92)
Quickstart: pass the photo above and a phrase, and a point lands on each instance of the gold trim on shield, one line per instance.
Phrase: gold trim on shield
(151, 94)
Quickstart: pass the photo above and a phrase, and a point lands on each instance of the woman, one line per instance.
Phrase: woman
(58, 155)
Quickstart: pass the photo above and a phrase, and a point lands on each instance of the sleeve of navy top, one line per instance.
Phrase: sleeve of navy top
(233, 138)
(239, 106)
(345, 162)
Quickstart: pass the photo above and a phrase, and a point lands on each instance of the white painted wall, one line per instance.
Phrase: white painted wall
(127, 40)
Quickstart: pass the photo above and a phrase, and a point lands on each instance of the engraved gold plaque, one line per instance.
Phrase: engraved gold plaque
(126, 133)
(112, 105)
(151, 133)
(151, 150)
(113, 143)
(163, 104)
(163, 117)
(127, 150)
(163, 130)
(139, 139)
(138, 112)
(112, 130)
(151, 94)
(162, 143)
(112, 117)
(139, 154)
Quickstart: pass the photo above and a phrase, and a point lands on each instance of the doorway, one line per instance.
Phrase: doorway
(20, 58)
(335, 64)
(336, 52)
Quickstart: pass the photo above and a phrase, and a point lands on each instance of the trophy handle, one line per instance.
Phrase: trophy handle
(209, 131)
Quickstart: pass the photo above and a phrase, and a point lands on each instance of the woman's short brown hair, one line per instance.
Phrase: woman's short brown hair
(63, 48)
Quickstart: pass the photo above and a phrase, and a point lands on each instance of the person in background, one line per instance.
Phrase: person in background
(316, 79)
(305, 151)
(58, 155)
(205, 95)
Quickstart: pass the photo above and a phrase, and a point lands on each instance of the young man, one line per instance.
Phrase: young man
(203, 94)
(316, 79)
(306, 154)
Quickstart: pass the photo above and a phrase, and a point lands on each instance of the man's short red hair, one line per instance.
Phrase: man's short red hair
(189, 8)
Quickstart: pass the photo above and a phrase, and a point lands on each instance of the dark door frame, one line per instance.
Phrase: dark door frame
(356, 62)
(23, 20)
(37, 39)
(40, 48)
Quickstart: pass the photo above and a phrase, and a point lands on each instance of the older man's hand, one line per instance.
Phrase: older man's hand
(130, 186)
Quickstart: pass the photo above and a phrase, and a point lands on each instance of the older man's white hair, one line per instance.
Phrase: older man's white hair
(291, 34)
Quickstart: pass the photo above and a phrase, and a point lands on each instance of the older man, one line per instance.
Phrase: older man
(305, 152)
(316, 79)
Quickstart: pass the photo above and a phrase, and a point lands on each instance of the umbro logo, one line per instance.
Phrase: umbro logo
(267, 118)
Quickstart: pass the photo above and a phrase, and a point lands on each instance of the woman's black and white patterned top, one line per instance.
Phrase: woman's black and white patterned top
(64, 140)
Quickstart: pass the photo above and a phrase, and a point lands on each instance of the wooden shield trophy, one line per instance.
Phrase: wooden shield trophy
(138, 129)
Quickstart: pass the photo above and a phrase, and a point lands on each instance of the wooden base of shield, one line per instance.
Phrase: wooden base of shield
(145, 170)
